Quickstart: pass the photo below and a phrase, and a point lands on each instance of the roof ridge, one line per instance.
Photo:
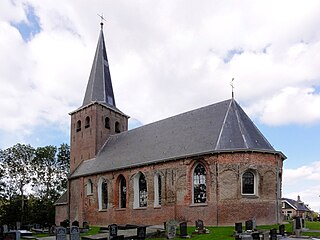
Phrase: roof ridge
(240, 126)
(223, 124)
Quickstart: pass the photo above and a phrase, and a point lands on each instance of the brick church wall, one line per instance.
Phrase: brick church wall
(225, 204)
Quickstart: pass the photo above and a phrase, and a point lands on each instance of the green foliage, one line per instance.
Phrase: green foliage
(31, 180)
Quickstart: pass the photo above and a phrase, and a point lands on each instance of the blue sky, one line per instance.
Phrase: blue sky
(170, 59)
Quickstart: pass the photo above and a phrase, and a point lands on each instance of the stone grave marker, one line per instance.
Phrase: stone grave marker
(18, 225)
(199, 226)
(255, 236)
(183, 229)
(141, 233)
(238, 227)
(171, 229)
(61, 233)
(75, 223)
(14, 235)
(282, 229)
(37, 226)
(273, 234)
(85, 225)
(249, 225)
(5, 228)
(74, 233)
(254, 224)
(113, 231)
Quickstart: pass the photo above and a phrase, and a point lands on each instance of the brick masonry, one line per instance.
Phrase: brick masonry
(225, 204)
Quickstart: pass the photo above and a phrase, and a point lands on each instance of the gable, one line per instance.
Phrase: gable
(219, 127)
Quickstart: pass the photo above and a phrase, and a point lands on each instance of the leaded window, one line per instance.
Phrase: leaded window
(104, 194)
(248, 183)
(87, 122)
(122, 192)
(199, 184)
(78, 128)
(159, 189)
(143, 192)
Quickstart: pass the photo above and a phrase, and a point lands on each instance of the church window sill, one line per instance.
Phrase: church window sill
(121, 209)
(198, 205)
(140, 208)
(102, 210)
(250, 196)
(157, 207)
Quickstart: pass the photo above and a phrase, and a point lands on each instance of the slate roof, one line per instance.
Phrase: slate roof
(296, 205)
(63, 199)
(99, 88)
(220, 127)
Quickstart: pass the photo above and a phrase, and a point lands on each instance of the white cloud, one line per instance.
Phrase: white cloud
(165, 58)
(303, 181)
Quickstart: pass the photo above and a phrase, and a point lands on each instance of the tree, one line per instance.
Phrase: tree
(17, 162)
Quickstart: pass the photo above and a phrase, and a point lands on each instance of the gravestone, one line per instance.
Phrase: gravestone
(75, 223)
(273, 234)
(238, 227)
(249, 225)
(183, 229)
(302, 223)
(171, 229)
(18, 225)
(254, 224)
(113, 231)
(282, 229)
(74, 233)
(199, 226)
(255, 236)
(85, 225)
(61, 233)
(141, 233)
(37, 226)
(298, 223)
(14, 235)
(5, 228)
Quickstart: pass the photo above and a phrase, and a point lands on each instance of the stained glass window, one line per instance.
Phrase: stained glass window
(199, 184)
(248, 183)
(123, 192)
(143, 192)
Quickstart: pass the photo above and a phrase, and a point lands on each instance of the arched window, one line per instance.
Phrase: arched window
(122, 192)
(157, 190)
(248, 183)
(78, 128)
(103, 194)
(140, 191)
(107, 122)
(87, 122)
(117, 127)
(199, 184)
(89, 187)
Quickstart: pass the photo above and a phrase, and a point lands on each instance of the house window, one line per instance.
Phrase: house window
(248, 183)
(78, 128)
(199, 184)
(157, 190)
(89, 187)
(117, 127)
(87, 122)
(107, 122)
(103, 194)
(122, 192)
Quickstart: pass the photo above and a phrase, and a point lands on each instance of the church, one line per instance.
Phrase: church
(211, 163)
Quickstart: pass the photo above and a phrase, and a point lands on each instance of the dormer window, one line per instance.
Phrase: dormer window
(78, 128)
(117, 127)
(107, 122)
(87, 122)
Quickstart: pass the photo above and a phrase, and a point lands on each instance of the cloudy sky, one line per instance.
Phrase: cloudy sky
(167, 57)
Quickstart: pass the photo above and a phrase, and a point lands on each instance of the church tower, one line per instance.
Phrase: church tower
(98, 117)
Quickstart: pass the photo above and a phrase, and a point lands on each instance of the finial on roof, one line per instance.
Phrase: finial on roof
(102, 19)
(232, 87)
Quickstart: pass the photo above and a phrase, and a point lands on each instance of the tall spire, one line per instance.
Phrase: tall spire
(99, 88)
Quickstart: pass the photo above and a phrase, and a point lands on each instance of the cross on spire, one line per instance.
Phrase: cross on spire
(232, 87)
(102, 19)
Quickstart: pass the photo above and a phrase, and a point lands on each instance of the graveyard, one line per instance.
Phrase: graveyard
(296, 229)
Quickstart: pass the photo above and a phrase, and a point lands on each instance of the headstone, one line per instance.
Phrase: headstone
(282, 229)
(273, 234)
(75, 223)
(85, 225)
(249, 225)
(18, 225)
(141, 233)
(199, 226)
(255, 236)
(298, 223)
(183, 229)
(254, 224)
(74, 233)
(37, 226)
(14, 235)
(52, 230)
(238, 227)
(113, 231)
(61, 233)
(302, 223)
(5, 228)
(171, 229)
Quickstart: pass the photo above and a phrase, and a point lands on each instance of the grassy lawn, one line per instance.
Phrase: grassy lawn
(225, 233)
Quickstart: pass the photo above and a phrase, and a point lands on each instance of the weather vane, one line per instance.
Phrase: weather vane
(102, 19)
(232, 87)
